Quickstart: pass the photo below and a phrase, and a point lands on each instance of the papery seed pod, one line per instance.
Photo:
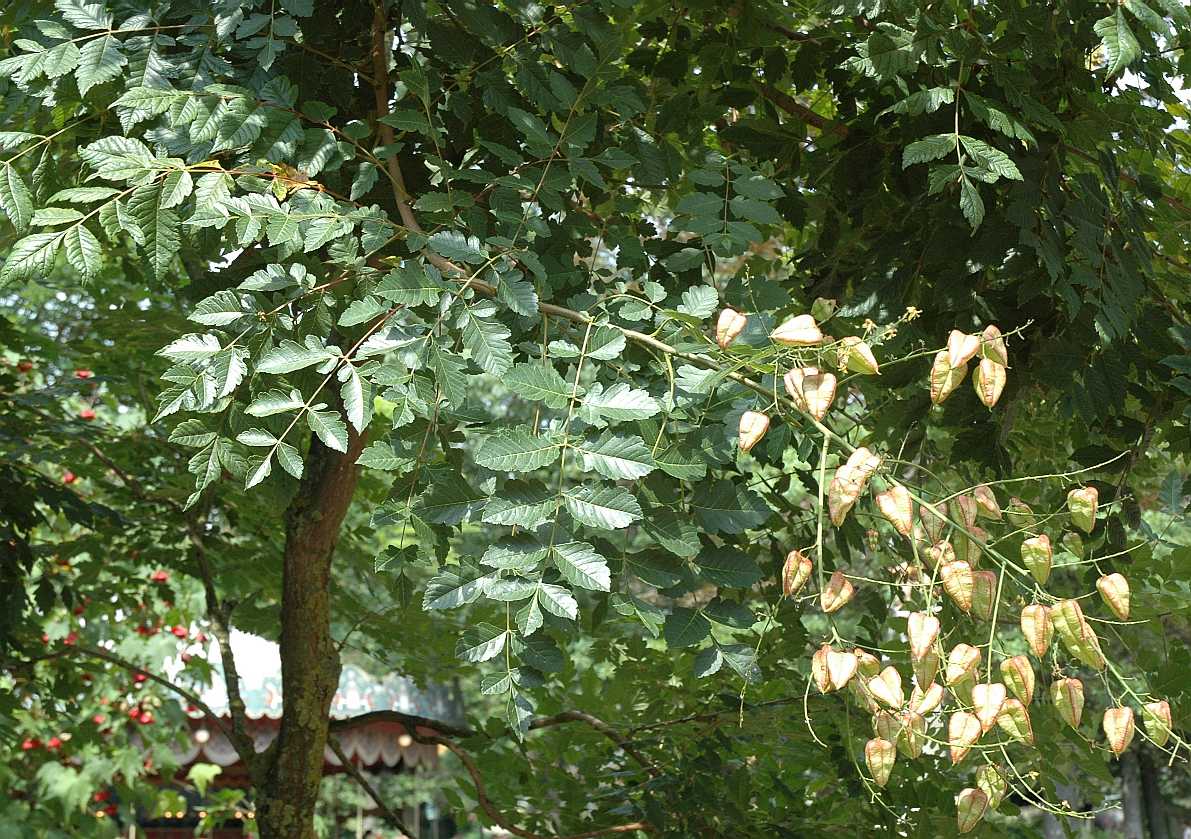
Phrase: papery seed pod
(800, 331)
(795, 572)
(987, 699)
(1018, 674)
(964, 508)
(939, 554)
(810, 390)
(887, 726)
(729, 326)
(1067, 696)
(1118, 728)
(926, 668)
(963, 730)
(1158, 721)
(923, 630)
(1081, 503)
(841, 667)
(1036, 555)
(823, 308)
(1037, 628)
(1114, 589)
(867, 664)
(922, 702)
(968, 546)
(819, 671)
(872, 540)
(886, 686)
(989, 381)
(912, 738)
(961, 348)
(957, 582)
(838, 592)
(934, 520)
(753, 426)
(859, 689)
(1019, 514)
(907, 571)
(896, 505)
(1069, 621)
(984, 594)
(1073, 542)
(992, 345)
(1015, 721)
(986, 503)
(962, 663)
(1088, 651)
(857, 356)
(970, 807)
(962, 690)
(842, 494)
(992, 783)
(864, 463)
(944, 378)
(880, 756)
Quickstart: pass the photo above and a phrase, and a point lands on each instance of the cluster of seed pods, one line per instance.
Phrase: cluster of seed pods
(949, 537)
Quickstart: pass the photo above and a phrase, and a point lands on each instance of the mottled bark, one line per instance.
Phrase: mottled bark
(309, 659)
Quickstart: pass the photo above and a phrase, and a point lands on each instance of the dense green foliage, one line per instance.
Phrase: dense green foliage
(483, 248)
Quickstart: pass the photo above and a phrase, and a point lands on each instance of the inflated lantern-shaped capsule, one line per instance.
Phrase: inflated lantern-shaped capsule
(841, 667)
(886, 686)
(987, 700)
(923, 630)
(1067, 696)
(970, 807)
(810, 390)
(880, 756)
(992, 346)
(962, 663)
(1158, 721)
(934, 520)
(753, 426)
(944, 378)
(1114, 589)
(1019, 514)
(963, 730)
(1037, 628)
(957, 582)
(1118, 728)
(961, 348)
(867, 664)
(922, 702)
(987, 504)
(837, 593)
(1036, 555)
(800, 331)
(729, 326)
(795, 572)
(896, 505)
(926, 668)
(989, 381)
(857, 356)
(1015, 721)
(939, 555)
(984, 594)
(1018, 674)
(1082, 503)
(819, 671)
(912, 738)
(964, 508)
(992, 783)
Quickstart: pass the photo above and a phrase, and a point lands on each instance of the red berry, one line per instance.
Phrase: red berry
(69, 477)
(45, 639)
(102, 795)
(146, 718)
(78, 610)
(24, 365)
(83, 374)
(29, 744)
(160, 576)
(99, 719)
(186, 657)
(133, 713)
(86, 414)
(179, 631)
(54, 743)
(111, 810)
(71, 639)
(140, 678)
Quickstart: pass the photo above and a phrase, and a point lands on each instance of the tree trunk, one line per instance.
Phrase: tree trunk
(309, 659)
(1154, 804)
(1131, 796)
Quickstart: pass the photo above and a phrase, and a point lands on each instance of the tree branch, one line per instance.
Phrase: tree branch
(602, 727)
(792, 106)
(410, 721)
(366, 785)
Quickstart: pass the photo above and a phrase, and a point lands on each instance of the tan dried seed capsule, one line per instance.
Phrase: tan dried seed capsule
(896, 505)
(810, 390)
(1067, 696)
(961, 348)
(987, 700)
(1158, 721)
(1082, 504)
(987, 505)
(800, 331)
(944, 378)
(1015, 721)
(923, 630)
(857, 356)
(1036, 555)
(922, 702)
(970, 807)
(729, 326)
(992, 345)
(962, 663)
(989, 381)
(838, 592)
(1114, 589)
(1118, 728)
(984, 594)
(753, 426)
(880, 756)
(992, 783)
(1018, 674)
(1037, 628)
(963, 730)
(795, 572)
(886, 686)
(957, 582)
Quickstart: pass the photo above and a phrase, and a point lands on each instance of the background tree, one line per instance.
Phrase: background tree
(432, 291)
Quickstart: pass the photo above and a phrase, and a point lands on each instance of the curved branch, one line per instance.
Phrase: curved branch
(602, 727)
(364, 783)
